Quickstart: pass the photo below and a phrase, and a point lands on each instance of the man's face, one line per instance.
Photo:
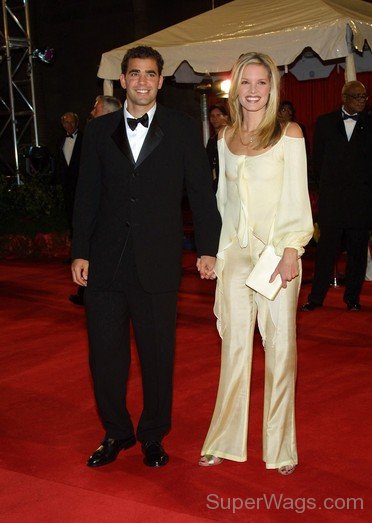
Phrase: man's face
(355, 99)
(142, 82)
(69, 123)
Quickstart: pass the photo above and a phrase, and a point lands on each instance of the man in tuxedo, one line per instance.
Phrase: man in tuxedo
(342, 157)
(69, 160)
(127, 249)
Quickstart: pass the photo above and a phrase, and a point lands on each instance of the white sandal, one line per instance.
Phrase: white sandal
(208, 460)
(285, 470)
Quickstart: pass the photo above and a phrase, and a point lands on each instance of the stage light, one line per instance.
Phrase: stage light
(45, 55)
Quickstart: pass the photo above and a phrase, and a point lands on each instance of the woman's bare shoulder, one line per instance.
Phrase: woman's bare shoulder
(293, 130)
(225, 132)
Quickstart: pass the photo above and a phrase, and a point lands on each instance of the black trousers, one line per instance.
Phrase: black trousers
(153, 317)
(356, 243)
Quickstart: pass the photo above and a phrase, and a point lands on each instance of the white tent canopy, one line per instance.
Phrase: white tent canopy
(212, 41)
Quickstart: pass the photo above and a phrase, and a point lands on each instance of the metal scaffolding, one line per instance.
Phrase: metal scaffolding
(17, 107)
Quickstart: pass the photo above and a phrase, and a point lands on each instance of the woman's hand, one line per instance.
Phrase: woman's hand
(205, 266)
(287, 267)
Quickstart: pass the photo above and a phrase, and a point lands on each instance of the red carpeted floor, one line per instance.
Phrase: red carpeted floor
(49, 424)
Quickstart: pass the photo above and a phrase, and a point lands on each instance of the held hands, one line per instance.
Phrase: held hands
(80, 269)
(287, 267)
(205, 266)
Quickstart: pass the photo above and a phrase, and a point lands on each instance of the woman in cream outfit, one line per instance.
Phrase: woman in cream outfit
(263, 198)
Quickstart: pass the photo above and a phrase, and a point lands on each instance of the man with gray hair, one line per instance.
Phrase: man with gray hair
(105, 104)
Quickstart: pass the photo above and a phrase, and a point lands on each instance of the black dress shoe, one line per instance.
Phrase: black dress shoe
(108, 451)
(155, 455)
(310, 306)
(353, 306)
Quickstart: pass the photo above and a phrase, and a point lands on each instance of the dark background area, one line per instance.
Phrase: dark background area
(80, 31)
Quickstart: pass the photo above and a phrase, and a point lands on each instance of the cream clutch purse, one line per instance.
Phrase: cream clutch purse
(258, 280)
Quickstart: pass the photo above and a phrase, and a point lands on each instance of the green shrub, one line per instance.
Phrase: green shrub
(35, 206)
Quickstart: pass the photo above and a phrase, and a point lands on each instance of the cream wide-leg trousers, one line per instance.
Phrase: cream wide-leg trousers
(239, 305)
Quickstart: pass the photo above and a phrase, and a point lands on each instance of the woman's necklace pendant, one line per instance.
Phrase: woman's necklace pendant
(250, 140)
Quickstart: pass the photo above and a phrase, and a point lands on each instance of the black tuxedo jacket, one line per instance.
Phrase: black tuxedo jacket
(344, 170)
(117, 196)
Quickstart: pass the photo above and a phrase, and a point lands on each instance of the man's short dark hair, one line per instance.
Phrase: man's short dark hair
(142, 51)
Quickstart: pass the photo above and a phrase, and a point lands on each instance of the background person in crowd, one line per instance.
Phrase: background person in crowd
(263, 199)
(69, 161)
(103, 105)
(218, 118)
(127, 249)
(286, 111)
(342, 162)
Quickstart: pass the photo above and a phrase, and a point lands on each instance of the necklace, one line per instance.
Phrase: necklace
(250, 139)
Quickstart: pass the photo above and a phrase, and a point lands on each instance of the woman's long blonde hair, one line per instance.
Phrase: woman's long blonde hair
(269, 130)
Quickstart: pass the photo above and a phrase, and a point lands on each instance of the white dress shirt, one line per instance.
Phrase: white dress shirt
(68, 147)
(137, 137)
(349, 124)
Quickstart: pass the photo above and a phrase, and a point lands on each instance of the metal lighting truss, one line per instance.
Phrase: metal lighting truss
(17, 108)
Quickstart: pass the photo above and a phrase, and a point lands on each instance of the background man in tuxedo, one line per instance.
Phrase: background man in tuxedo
(127, 248)
(69, 160)
(342, 158)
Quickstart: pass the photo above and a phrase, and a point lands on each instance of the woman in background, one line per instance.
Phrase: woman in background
(218, 118)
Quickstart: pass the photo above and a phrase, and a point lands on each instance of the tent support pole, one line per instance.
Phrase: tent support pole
(350, 73)
(108, 87)
(204, 117)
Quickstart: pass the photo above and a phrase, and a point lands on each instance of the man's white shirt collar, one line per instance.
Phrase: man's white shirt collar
(127, 114)
(137, 137)
(349, 124)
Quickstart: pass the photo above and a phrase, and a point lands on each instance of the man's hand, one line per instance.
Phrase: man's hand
(80, 269)
(205, 266)
(287, 267)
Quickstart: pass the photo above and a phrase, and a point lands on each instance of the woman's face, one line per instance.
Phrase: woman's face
(254, 88)
(217, 119)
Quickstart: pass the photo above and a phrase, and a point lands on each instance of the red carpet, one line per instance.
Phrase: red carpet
(49, 424)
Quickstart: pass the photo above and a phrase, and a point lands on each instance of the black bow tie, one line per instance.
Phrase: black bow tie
(133, 122)
(69, 135)
(345, 116)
